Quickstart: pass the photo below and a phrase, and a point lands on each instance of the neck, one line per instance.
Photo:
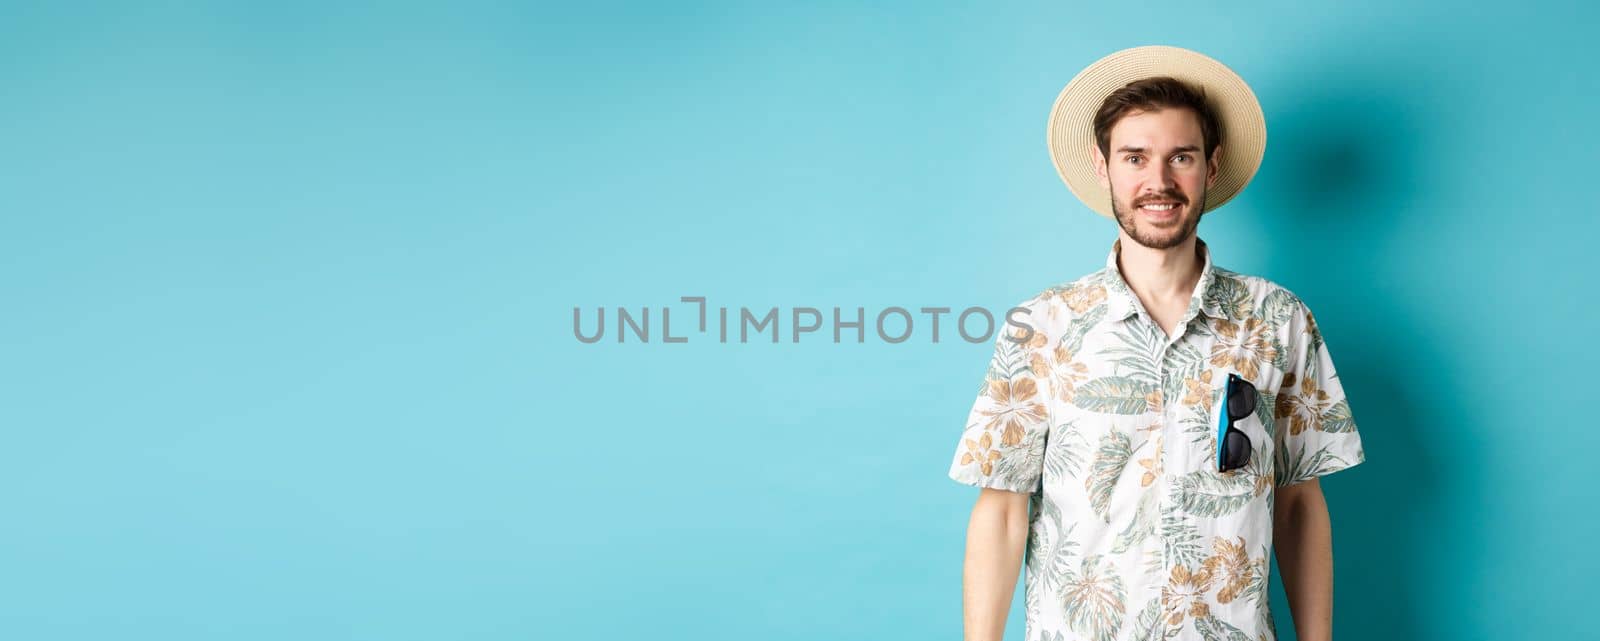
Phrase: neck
(1160, 274)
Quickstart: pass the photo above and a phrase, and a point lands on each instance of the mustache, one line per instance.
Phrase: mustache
(1166, 195)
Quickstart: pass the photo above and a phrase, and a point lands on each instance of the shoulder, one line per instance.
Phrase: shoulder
(1259, 286)
(1073, 298)
(1053, 308)
(1269, 299)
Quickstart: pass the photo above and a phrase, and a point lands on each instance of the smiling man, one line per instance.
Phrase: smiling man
(1147, 449)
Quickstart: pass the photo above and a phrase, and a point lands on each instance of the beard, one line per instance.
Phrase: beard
(1165, 237)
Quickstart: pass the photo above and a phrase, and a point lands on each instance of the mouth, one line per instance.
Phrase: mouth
(1160, 209)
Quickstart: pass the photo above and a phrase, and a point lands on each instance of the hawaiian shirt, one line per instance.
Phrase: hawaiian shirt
(1110, 424)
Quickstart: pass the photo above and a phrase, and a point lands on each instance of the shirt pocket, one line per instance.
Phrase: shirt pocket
(1256, 426)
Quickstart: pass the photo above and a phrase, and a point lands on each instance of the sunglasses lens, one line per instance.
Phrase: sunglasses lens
(1241, 400)
(1235, 450)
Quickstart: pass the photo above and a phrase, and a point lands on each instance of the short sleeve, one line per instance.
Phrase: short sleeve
(1002, 446)
(1315, 429)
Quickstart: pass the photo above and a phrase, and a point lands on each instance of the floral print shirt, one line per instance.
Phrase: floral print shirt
(1110, 424)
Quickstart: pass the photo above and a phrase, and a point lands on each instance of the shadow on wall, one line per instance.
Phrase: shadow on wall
(1347, 149)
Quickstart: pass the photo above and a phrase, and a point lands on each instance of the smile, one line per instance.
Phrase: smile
(1160, 211)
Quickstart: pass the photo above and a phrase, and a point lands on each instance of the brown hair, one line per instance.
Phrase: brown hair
(1151, 94)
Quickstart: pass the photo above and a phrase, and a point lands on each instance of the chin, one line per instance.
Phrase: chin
(1150, 235)
(1161, 237)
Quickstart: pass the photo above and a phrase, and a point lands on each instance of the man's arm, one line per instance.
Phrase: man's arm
(1304, 540)
(997, 535)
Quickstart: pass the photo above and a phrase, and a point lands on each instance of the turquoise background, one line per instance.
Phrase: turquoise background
(288, 294)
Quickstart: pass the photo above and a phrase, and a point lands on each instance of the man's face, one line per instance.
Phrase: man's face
(1157, 175)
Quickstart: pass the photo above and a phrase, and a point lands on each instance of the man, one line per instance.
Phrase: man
(1168, 419)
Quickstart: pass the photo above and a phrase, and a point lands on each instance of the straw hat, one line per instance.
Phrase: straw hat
(1071, 130)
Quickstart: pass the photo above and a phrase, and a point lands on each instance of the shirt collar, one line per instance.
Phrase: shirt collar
(1123, 303)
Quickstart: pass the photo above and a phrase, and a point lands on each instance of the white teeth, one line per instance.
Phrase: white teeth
(1159, 207)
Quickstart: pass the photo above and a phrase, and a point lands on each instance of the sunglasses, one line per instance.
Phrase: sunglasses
(1233, 447)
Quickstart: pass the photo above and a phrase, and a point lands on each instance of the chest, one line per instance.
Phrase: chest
(1167, 315)
(1132, 396)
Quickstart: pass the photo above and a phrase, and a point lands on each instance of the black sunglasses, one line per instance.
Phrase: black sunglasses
(1233, 448)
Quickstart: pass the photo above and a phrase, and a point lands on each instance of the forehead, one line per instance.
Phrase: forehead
(1163, 128)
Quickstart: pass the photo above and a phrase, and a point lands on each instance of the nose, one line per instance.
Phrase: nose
(1164, 177)
(1160, 180)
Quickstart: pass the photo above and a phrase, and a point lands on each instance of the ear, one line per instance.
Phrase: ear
(1099, 162)
(1213, 168)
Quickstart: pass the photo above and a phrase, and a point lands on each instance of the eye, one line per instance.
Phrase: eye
(1182, 159)
(1135, 159)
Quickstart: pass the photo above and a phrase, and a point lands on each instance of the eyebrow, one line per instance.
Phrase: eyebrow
(1140, 150)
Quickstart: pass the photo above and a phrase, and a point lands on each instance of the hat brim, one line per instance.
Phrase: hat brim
(1070, 133)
